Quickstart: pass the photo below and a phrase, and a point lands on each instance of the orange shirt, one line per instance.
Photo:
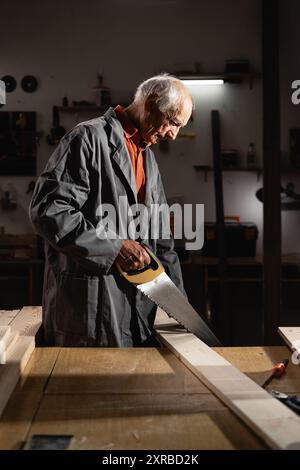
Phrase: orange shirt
(135, 150)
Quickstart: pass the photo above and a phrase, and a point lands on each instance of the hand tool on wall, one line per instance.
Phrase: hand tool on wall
(57, 131)
(153, 281)
(277, 371)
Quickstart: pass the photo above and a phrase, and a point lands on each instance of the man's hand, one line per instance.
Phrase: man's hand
(132, 256)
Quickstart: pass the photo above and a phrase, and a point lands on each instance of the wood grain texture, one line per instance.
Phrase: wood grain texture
(25, 400)
(107, 370)
(7, 343)
(28, 321)
(196, 421)
(7, 316)
(273, 422)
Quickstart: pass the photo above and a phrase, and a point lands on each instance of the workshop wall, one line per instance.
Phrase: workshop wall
(66, 44)
(290, 113)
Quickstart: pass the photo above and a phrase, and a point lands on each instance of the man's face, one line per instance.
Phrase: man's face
(156, 126)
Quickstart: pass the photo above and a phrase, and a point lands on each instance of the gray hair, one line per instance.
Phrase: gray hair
(167, 89)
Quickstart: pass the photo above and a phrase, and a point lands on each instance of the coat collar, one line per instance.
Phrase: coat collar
(119, 153)
(121, 156)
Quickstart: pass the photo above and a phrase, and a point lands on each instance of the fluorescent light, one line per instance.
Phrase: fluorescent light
(2, 92)
(201, 82)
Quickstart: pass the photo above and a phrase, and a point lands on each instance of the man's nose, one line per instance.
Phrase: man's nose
(172, 134)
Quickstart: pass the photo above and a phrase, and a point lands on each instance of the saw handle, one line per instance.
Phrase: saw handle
(147, 273)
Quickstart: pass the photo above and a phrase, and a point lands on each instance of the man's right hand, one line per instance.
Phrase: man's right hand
(132, 256)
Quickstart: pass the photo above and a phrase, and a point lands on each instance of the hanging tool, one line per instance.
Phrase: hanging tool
(277, 371)
(156, 284)
(57, 131)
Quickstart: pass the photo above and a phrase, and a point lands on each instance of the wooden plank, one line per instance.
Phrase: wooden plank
(11, 342)
(107, 370)
(5, 333)
(15, 364)
(28, 321)
(25, 400)
(7, 316)
(6, 345)
(143, 421)
(291, 335)
(272, 421)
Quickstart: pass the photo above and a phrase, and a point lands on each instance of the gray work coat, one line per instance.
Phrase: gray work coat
(85, 300)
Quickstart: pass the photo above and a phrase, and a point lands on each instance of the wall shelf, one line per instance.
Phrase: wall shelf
(232, 78)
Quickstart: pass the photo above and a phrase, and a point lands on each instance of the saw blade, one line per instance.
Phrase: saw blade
(163, 292)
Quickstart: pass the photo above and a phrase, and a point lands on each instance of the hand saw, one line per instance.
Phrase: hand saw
(153, 281)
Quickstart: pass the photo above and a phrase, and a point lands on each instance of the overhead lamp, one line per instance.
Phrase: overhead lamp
(2, 92)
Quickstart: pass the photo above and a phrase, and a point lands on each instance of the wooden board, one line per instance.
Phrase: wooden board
(195, 421)
(5, 333)
(291, 335)
(15, 364)
(6, 344)
(142, 370)
(28, 321)
(7, 316)
(272, 421)
(25, 399)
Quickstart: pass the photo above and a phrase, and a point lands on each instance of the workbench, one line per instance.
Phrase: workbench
(142, 398)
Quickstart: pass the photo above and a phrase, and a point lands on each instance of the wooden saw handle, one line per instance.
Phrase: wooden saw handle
(146, 274)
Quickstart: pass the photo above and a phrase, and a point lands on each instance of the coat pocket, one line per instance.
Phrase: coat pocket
(76, 305)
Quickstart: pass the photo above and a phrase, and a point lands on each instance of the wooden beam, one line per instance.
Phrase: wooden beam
(7, 340)
(28, 321)
(291, 335)
(15, 364)
(271, 172)
(17, 417)
(7, 316)
(23, 328)
(273, 422)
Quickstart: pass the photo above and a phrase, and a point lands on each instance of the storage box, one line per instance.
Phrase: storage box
(240, 239)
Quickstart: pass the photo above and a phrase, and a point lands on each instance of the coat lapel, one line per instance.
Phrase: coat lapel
(120, 155)
(149, 177)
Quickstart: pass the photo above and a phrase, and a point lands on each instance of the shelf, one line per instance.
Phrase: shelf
(206, 168)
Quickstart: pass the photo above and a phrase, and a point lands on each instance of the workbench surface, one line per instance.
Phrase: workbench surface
(133, 399)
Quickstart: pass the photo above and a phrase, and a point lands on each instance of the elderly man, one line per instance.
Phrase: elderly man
(85, 301)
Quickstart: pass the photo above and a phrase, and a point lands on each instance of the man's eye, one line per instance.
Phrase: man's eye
(173, 123)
